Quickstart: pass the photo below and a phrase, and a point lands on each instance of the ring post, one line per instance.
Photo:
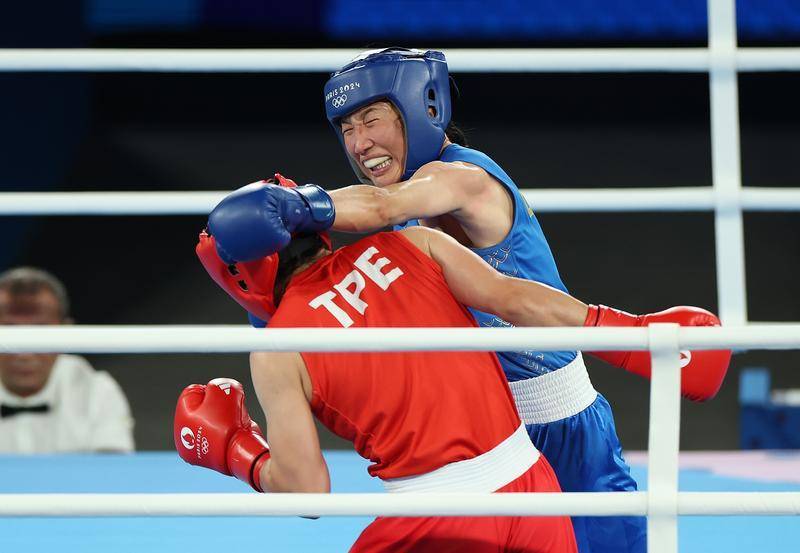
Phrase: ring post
(664, 439)
(726, 162)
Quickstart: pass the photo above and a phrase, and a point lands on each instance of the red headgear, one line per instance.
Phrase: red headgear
(250, 283)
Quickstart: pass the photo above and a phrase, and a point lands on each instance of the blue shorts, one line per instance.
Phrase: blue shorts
(586, 455)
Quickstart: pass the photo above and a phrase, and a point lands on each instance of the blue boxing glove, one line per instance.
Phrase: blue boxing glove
(255, 322)
(260, 218)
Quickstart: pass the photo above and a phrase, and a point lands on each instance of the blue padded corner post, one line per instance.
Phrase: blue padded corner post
(763, 423)
(754, 385)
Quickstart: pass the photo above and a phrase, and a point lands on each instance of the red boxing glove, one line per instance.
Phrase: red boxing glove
(702, 371)
(212, 429)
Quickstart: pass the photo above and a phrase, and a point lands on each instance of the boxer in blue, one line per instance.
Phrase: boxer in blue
(390, 109)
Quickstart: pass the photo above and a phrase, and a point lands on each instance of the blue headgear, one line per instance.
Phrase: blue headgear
(413, 81)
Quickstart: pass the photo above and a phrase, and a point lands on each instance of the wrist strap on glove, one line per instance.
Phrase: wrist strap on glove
(319, 203)
(247, 453)
(601, 315)
(320, 206)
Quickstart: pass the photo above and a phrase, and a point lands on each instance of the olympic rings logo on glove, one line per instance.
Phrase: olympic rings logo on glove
(204, 446)
(339, 101)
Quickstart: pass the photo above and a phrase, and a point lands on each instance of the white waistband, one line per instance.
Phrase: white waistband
(554, 396)
(487, 472)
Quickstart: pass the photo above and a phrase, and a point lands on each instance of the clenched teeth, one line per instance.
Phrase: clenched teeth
(375, 161)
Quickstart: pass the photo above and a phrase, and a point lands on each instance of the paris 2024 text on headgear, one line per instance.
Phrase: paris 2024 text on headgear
(415, 82)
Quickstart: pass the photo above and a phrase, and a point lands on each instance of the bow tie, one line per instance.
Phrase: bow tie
(11, 410)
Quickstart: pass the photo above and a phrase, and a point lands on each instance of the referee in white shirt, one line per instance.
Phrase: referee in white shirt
(49, 402)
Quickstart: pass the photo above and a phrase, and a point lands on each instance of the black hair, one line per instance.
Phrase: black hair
(456, 135)
(300, 251)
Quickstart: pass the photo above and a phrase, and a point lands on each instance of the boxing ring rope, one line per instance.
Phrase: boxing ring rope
(374, 504)
(459, 60)
(240, 338)
(673, 199)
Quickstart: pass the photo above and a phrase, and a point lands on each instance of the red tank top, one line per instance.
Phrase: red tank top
(407, 412)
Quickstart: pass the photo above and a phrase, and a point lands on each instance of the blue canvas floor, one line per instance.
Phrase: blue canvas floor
(164, 472)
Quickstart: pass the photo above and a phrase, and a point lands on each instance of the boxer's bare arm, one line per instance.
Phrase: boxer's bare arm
(461, 189)
(296, 463)
(476, 284)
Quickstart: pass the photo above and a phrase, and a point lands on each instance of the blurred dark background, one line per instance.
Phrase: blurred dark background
(148, 131)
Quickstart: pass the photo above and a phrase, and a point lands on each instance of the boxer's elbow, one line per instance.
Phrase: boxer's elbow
(317, 480)
(298, 481)
(314, 484)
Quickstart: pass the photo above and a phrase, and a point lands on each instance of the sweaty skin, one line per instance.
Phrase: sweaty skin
(459, 198)
(476, 284)
(284, 388)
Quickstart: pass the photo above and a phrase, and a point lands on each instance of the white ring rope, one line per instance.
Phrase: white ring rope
(460, 60)
(377, 504)
(211, 339)
(662, 503)
(543, 200)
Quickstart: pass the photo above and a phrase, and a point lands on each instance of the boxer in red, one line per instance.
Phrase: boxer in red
(428, 421)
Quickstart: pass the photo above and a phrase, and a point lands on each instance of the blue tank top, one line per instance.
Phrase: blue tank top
(523, 253)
